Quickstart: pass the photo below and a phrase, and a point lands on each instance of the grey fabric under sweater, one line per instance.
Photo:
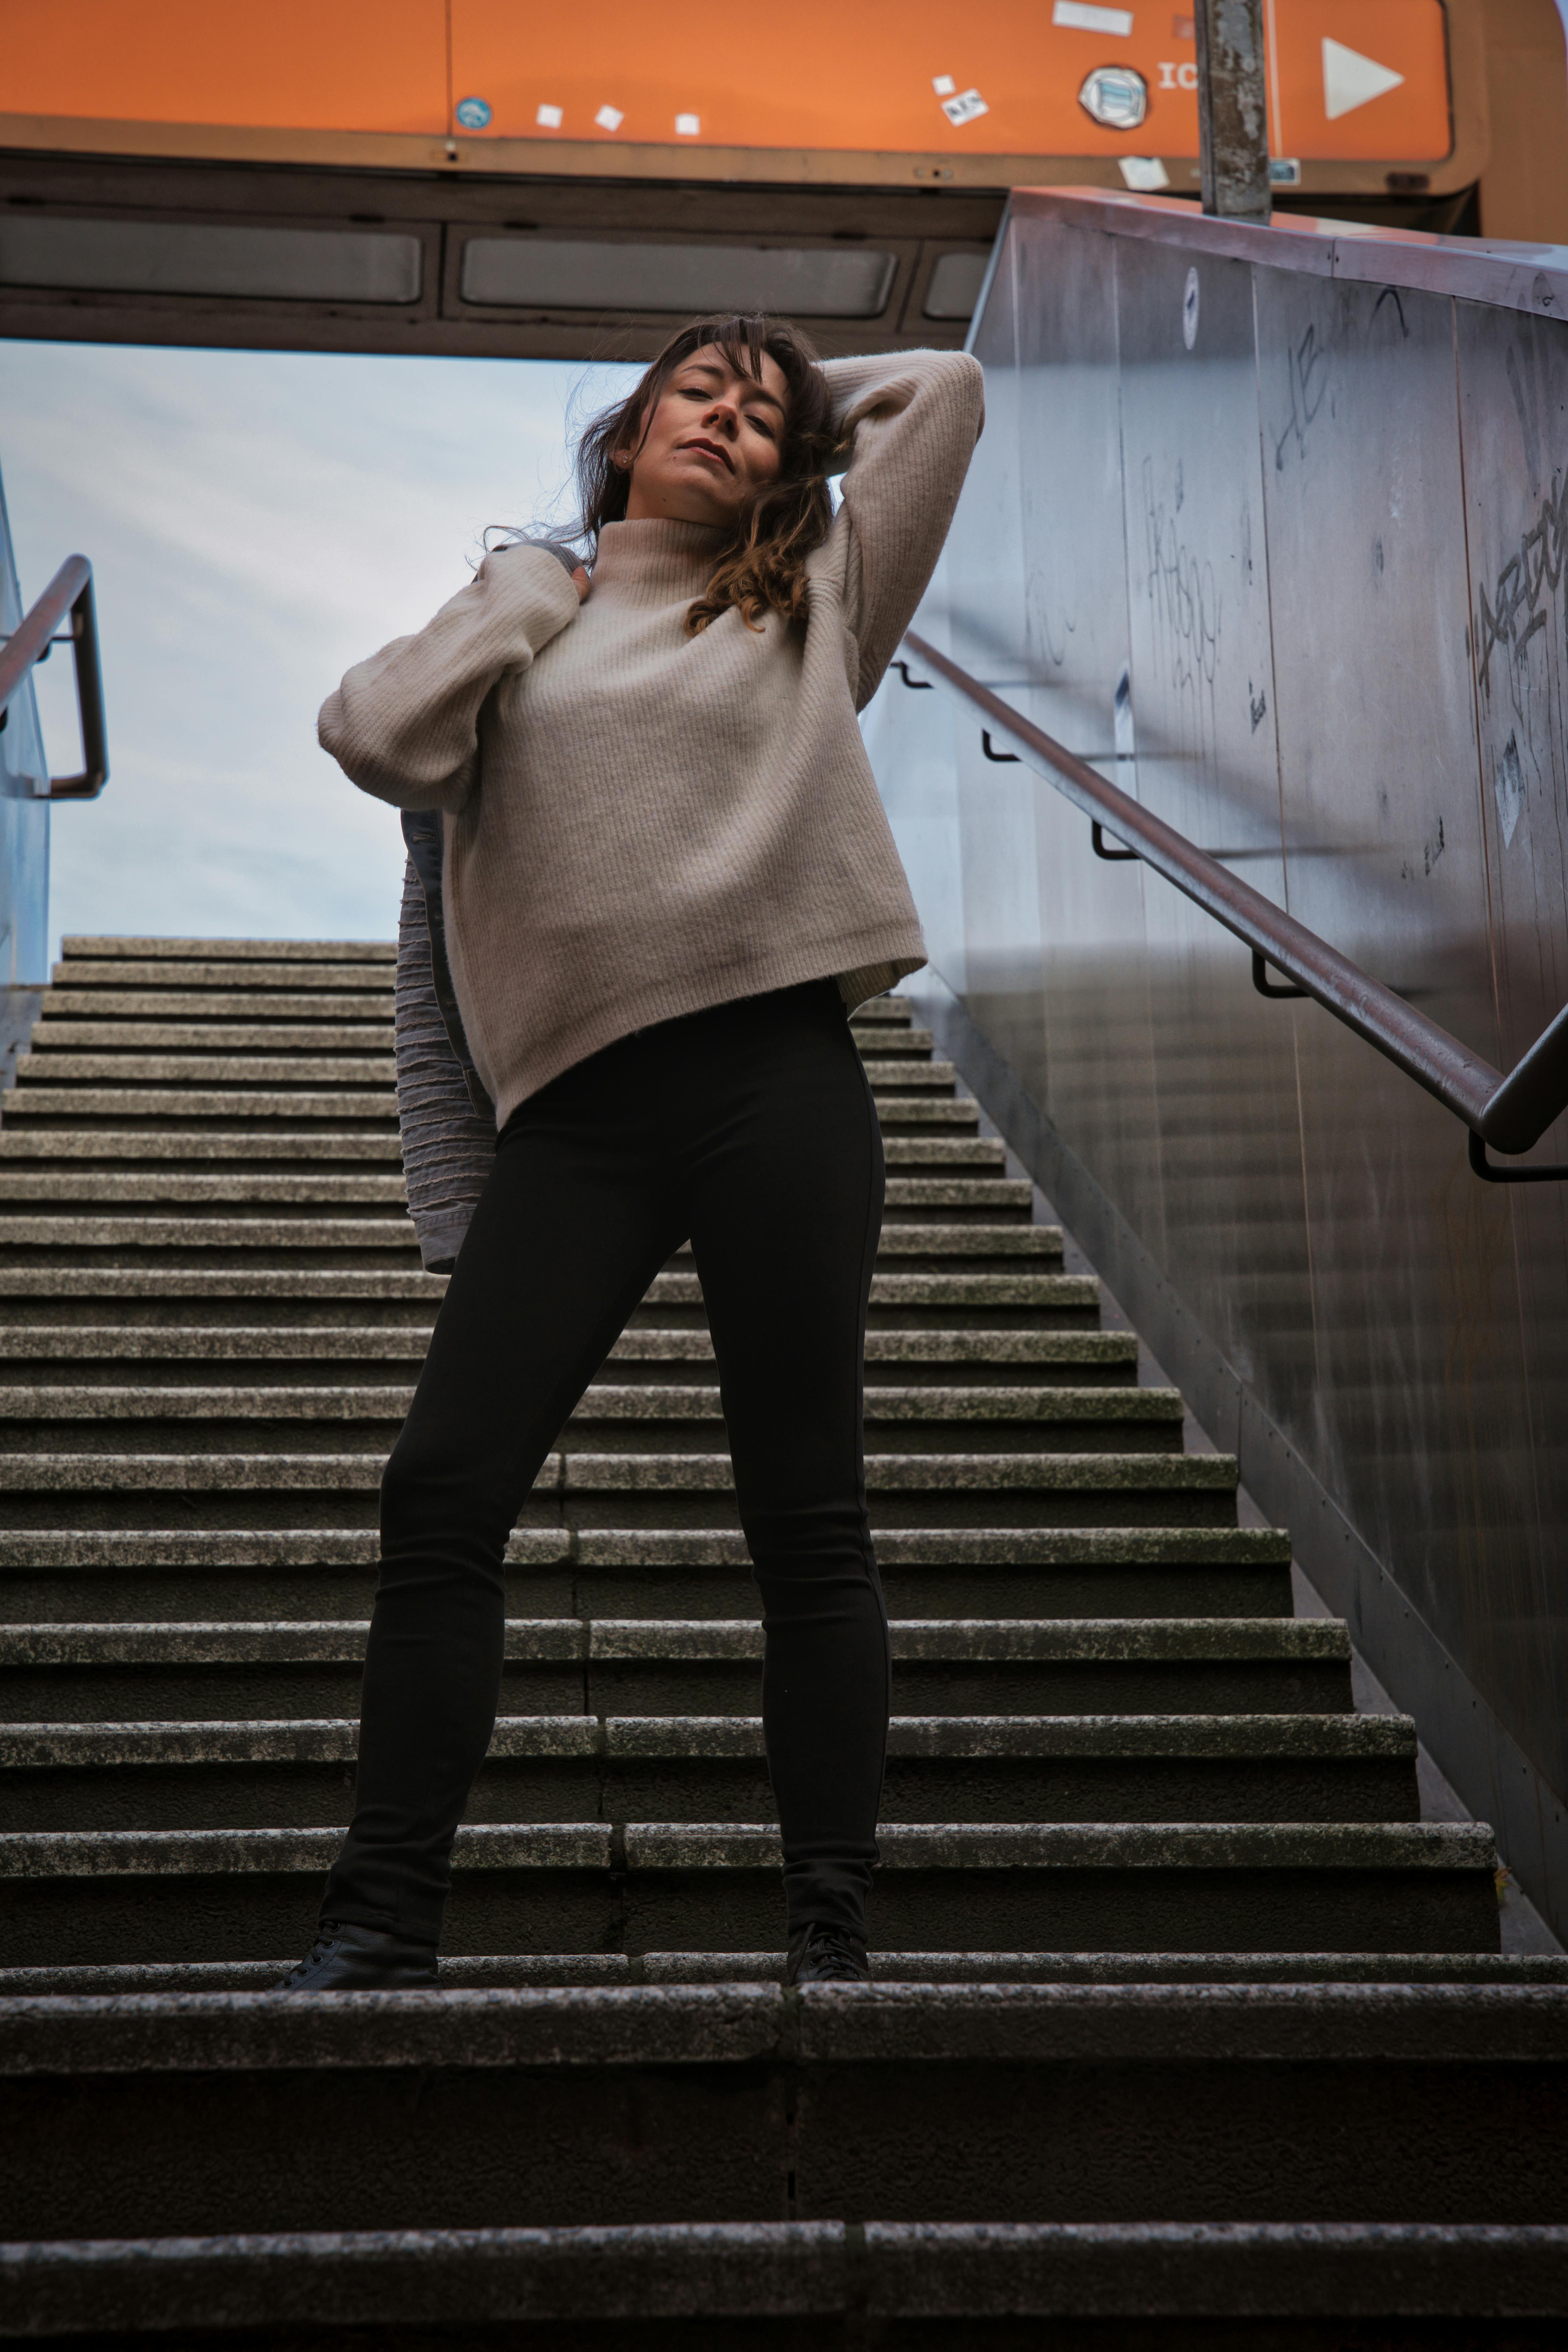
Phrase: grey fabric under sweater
(448, 1146)
(639, 822)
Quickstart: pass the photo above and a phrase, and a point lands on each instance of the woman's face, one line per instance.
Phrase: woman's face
(714, 439)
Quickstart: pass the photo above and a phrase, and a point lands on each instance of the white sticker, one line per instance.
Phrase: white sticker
(943, 84)
(689, 126)
(1116, 97)
(1190, 309)
(965, 108)
(1146, 173)
(550, 118)
(1076, 17)
(609, 117)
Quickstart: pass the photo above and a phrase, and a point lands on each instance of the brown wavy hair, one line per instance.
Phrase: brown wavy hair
(762, 567)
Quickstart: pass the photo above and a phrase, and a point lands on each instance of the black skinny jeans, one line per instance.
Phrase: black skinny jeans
(751, 1128)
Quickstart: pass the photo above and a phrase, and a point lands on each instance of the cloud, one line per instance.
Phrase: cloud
(256, 521)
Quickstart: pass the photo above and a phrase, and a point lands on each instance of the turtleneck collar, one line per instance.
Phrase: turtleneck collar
(655, 562)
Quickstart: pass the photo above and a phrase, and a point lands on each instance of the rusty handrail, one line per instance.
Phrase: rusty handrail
(1511, 1113)
(69, 592)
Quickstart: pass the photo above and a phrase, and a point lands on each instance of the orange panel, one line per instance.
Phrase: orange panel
(860, 76)
(830, 75)
(329, 65)
(820, 76)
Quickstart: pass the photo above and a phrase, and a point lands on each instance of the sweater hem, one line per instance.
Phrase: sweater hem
(440, 1239)
(897, 950)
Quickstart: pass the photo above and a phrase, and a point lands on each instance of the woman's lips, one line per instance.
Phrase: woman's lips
(711, 449)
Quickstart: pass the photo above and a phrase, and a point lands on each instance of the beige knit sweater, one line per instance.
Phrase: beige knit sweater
(640, 823)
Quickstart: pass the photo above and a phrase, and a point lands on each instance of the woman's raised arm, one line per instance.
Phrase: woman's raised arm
(403, 724)
(915, 417)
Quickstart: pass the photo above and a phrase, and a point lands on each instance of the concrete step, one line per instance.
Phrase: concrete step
(140, 1035)
(279, 1240)
(884, 1037)
(183, 1186)
(1189, 1769)
(79, 1000)
(823, 2283)
(83, 1281)
(239, 1670)
(896, 1076)
(303, 1238)
(38, 1149)
(87, 1287)
(232, 1894)
(170, 1109)
(1312, 2103)
(649, 1489)
(994, 1301)
(989, 1200)
(228, 965)
(94, 947)
(520, 1971)
(54, 1576)
(315, 1352)
(174, 1033)
(268, 1067)
(337, 1070)
(53, 1147)
(941, 1150)
(663, 1414)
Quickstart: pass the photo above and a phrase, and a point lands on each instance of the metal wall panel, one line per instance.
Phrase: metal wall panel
(1312, 499)
(1513, 399)
(1099, 1078)
(1417, 1425)
(997, 801)
(1203, 707)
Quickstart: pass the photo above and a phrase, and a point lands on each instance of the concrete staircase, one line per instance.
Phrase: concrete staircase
(1181, 2017)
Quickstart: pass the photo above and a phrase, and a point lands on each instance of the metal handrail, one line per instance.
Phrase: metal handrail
(70, 591)
(1510, 1113)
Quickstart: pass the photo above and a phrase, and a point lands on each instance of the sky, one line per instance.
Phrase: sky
(256, 521)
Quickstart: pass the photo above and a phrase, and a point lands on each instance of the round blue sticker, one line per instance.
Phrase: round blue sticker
(473, 113)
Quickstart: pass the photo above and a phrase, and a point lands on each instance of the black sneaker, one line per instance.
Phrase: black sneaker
(825, 1956)
(345, 1957)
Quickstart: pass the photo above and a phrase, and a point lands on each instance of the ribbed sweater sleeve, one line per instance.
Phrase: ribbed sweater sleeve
(405, 724)
(915, 417)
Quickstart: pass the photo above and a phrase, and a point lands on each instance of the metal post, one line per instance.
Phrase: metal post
(1233, 113)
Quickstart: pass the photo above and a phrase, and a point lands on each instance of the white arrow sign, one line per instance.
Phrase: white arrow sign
(1351, 80)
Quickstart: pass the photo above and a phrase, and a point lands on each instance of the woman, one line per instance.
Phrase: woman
(667, 881)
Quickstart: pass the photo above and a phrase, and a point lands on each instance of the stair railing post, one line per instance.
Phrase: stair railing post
(1233, 108)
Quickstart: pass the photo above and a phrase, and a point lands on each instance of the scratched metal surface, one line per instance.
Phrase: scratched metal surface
(1330, 542)
(1415, 1281)
(1513, 398)
(1203, 700)
(1099, 1046)
(996, 803)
